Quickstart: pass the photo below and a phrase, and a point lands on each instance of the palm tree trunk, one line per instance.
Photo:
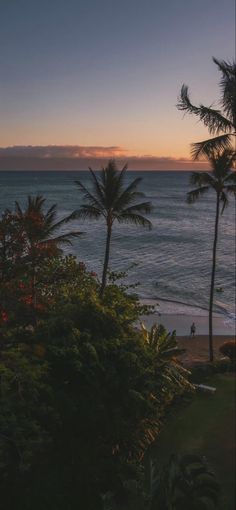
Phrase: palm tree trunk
(211, 353)
(106, 259)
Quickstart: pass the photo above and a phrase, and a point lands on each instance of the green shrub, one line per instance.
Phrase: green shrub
(229, 349)
(185, 483)
(83, 393)
(201, 371)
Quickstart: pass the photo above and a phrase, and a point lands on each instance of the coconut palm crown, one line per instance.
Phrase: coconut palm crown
(40, 227)
(223, 181)
(112, 200)
(221, 123)
(40, 234)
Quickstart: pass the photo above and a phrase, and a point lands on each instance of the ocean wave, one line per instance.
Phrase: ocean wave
(174, 307)
(173, 260)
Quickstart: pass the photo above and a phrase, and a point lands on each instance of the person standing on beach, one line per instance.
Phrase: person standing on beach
(192, 330)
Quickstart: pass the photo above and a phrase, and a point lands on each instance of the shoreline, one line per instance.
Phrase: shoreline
(182, 323)
(180, 317)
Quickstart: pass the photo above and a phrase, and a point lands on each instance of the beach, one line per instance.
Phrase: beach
(197, 348)
(222, 325)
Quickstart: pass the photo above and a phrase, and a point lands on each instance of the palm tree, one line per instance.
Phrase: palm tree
(39, 234)
(223, 181)
(112, 201)
(167, 351)
(220, 123)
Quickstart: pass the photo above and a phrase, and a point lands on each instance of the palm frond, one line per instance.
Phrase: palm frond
(110, 178)
(121, 176)
(127, 198)
(51, 214)
(136, 219)
(214, 120)
(87, 212)
(18, 209)
(35, 203)
(231, 177)
(62, 239)
(92, 200)
(221, 164)
(228, 86)
(227, 68)
(98, 187)
(49, 223)
(201, 179)
(128, 194)
(213, 145)
(184, 104)
(143, 207)
(211, 118)
(194, 195)
(230, 188)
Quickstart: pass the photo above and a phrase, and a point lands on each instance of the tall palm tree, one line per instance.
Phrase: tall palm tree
(111, 200)
(223, 182)
(221, 123)
(39, 233)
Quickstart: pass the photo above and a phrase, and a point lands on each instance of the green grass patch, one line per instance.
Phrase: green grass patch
(206, 426)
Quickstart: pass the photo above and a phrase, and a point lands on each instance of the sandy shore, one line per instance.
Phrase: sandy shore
(197, 349)
(182, 323)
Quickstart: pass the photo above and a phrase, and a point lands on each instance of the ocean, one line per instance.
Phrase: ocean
(172, 262)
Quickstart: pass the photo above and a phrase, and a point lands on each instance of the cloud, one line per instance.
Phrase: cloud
(77, 157)
(62, 151)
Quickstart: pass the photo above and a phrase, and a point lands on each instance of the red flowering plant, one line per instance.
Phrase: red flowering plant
(4, 317)
(28, 239)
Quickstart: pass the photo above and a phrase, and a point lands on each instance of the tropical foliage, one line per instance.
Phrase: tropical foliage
(111, 200)
(166, 350)
(221, 123)
(185, 483)
(222, 180)
(28, 238)
(82, 391)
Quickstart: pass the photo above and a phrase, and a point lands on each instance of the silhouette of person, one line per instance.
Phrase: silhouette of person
(192, 330)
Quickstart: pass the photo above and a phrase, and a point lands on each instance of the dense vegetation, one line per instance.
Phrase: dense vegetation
(82, 391)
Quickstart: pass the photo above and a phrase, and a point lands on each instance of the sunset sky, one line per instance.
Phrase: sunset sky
(104, 75)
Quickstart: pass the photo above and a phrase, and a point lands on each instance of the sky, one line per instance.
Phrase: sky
(104, 75)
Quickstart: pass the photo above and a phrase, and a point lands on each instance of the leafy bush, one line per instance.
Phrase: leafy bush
(185, 483)
(229, 349)
(202, 370)
(83, 392)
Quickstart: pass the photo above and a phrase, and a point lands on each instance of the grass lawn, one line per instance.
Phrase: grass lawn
(206, 426)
